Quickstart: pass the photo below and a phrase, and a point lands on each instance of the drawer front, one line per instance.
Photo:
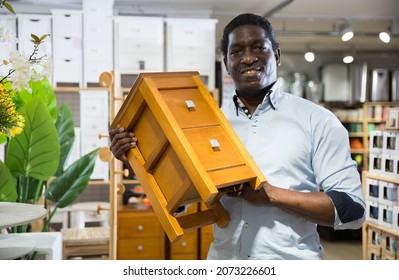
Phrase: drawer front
(144, 32)
(98, 7)
(186, 244)
(93, 70)
(97, 29)
(190, 34)
(97, 51)
(138, 226)
(72, 44)
(189, 108)
(68, 24)
(92, 126)
(136, 63)
(140, 248)
(214, 148)
(194, 63)
(93, 105)
(66, 70)
(131, 46)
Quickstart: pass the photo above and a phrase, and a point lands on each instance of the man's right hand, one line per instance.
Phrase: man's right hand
(121, 142)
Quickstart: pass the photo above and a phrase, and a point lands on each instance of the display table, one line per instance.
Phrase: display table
(16, 214)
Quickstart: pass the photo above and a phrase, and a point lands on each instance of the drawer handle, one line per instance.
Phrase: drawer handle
(215, 145)
(140, 227)
(190, 105)
(140, 248)
(184, 244)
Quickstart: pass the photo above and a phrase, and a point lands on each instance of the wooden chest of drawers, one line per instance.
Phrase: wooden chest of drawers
(140, 235)
(186, 152)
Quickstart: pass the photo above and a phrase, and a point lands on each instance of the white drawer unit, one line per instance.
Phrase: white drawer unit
(34, 24)
(191, 46)
(97, 42)
(100, 7)
(93, 121)
(9, 25)
(139, 44)
(67, 23)
(68, 65)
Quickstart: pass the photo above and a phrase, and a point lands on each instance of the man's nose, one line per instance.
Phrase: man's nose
(248, 57)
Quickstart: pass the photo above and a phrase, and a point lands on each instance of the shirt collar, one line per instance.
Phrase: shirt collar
(272, 98)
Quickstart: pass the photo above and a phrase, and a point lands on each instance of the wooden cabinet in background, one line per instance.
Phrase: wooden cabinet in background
(140, 235)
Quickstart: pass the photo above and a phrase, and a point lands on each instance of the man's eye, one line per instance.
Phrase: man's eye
(235, 52)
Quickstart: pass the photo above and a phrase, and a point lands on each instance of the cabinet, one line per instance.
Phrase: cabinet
(380, 230)
(97, 42)
(190, 46)
(140, 235)
(94, 120)
(68, 47)
(34, 24)
(139, 44)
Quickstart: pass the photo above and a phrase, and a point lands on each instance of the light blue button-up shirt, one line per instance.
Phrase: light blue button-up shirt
(298, 145)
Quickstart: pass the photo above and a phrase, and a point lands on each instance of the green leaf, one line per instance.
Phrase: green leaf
(66, 134)
(3, 138)
(8, 188)
(44, 91)
(9, 7)
(36, 151)
(64, 189)
(35, 38)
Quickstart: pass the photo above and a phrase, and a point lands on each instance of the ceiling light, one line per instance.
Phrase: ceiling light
(309, 56)
(385, 36)
(348, 59)
(346, 32)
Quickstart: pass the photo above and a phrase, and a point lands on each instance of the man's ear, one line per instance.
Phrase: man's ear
(225, 65)
(277, 55)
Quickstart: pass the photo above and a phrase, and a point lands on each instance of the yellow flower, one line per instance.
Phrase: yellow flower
(11, 122)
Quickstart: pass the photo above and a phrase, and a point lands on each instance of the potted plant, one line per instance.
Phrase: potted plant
(39, 136)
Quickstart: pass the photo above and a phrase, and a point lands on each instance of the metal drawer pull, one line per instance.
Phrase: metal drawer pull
(140, 248)
(184, 244)
(140, 227)
(190, 105)
(215, 145)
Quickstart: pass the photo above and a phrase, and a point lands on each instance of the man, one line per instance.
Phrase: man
(302, 149)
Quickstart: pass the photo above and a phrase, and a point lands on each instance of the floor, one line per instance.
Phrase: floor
(342, 249)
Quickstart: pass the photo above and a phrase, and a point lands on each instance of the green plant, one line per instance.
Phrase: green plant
(39, 136)
(39, 153)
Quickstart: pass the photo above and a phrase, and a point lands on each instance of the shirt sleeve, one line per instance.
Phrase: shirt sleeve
(347, 211)
(336, 172)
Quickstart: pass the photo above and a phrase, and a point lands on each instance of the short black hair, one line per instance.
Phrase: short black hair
(248, 19)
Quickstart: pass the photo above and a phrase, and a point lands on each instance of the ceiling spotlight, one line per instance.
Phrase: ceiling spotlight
(346, 32)
(348, 59)
(385, 36)
(309, 56)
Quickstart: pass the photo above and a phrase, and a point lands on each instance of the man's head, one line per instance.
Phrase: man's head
(245, 19)
(251, 54)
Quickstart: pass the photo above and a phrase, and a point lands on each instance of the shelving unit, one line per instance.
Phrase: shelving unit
(379, 241)
(360, 119)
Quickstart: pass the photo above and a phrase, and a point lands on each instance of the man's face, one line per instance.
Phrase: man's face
(250, 59)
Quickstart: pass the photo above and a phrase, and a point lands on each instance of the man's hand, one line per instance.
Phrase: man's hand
(121, 142)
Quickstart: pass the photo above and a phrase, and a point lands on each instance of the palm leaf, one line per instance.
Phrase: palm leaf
(36, 151)
(8, 189)
(64, 189)
(66, 134)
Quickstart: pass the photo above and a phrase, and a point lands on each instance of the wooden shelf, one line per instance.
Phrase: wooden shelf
(368, 223)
